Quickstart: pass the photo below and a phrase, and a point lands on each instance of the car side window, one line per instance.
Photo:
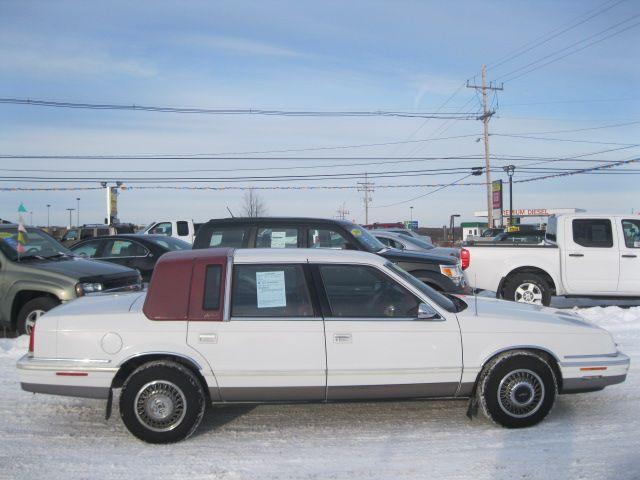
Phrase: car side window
(327, 238)
(385, 240)
(631, 229)
(71, 235)
(124, 248)
(88, 249)
(212, 283)
(594, 233)
(277, 237)
(183, 228)
(234, 237)
(270, 291)
(359, 291)
(163, 228)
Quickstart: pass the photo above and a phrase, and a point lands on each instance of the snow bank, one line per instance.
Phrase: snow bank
(612, 318)
(14, 347)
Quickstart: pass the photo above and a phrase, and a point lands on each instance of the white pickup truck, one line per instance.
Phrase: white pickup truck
(180, 229)
(583, 255)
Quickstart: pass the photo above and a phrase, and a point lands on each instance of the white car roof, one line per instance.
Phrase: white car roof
(298, 255)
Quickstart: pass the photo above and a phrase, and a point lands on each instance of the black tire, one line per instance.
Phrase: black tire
(174, 406)
(30, 309)
(517, 389)
(531, 282)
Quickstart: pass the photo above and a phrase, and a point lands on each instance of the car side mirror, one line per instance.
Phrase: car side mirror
(426, 312)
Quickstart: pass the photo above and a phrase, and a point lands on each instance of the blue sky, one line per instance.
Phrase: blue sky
(372, 55)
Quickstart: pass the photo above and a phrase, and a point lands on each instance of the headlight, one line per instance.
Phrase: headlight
(454, 272)
(87, 287)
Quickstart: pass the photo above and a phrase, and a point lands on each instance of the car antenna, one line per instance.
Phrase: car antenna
(475, 293)
(230, 212)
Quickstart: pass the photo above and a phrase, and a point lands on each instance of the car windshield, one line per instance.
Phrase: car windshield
(171, 244)
(418, 242)
(368, 241)
(448, 302)
(38, 245)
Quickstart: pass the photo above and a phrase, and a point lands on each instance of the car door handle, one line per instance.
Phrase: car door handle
(208, 338)
(629, 256)
(342, 338)
(576, 255)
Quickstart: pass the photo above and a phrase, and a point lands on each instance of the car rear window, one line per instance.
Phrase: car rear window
(233, 237)
(212, 283)
(594, 233)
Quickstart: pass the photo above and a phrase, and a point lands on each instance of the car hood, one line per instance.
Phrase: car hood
(79, 267)
(417, 257)
(505, 316)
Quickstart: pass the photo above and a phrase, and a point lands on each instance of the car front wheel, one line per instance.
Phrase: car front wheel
(162, 402)
(32, 311)
(517, 389)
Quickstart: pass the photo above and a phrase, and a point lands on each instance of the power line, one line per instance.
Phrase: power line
(550, 139)
(527, 47)
(508, 76)
(440, 187)
(234, 111)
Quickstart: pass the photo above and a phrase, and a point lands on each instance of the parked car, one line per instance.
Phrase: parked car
(404, 242)
(181, 229)
(48, 274)
(438, 271)
(135, 251)
(584, 255)
(531, 237)
(309, 325)
(77, 234)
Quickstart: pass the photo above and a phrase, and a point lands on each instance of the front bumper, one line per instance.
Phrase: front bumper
(587, 373)
(70, 377)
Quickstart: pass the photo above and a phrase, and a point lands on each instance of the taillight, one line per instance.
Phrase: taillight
(465, 257)
(32, 338)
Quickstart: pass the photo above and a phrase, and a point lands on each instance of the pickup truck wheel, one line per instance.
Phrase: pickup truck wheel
(517, 390)
(162, 402)
(528, 288)
(31, 312)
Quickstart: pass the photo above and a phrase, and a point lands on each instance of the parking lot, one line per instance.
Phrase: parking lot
(588, 436)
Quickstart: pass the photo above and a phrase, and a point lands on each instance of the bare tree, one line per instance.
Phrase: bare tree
(253, 204)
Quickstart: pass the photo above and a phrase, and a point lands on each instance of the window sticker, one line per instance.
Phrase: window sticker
(216, 239)
(278, 239)
(356, 232)
(118, 245)
(270, 288)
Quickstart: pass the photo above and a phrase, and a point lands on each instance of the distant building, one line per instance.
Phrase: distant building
(473, 229)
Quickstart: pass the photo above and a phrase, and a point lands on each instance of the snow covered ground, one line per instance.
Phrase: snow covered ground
(588, 436)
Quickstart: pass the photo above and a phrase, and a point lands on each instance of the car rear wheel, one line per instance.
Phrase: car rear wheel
(517, 389)
(528, 288)
(162, 402)
(32, 311)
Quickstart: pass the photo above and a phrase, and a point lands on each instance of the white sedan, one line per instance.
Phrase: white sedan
(225, 326)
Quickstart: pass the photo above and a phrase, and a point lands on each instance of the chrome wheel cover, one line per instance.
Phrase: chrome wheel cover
(528, 293)
(521, 393)
(160, 406)
(31, 320)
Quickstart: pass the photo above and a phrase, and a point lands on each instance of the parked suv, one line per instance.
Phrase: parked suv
(47, 274)
(442, 272)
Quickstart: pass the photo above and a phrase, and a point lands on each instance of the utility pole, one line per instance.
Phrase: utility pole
(342, 212)
(78, 212)
(367, 188)
(48, 217)
(510, 169)
(486, 115)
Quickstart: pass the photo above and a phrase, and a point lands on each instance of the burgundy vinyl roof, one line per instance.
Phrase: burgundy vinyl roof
(176, 290)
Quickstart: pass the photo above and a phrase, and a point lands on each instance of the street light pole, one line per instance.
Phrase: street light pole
(48, 217)
(411, 210)
(78, 213)
(70, 210)
(31, 215)
(510, 169)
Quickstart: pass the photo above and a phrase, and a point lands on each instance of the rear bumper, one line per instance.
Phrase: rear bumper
(69, 377)
(586, 373)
